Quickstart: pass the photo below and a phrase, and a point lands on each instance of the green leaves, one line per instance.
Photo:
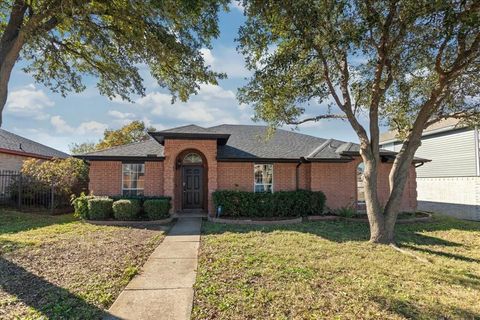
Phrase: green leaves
(385, 56)
(113, 40)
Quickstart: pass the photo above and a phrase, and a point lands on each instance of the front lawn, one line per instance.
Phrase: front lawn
(328, 270)
(60, 268)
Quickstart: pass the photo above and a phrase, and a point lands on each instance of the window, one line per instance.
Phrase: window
(133, 177)
(192, 158)
(360, 186)
(263, 177)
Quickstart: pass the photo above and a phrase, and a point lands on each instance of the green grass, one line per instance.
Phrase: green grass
(56, 267)
(329, 270)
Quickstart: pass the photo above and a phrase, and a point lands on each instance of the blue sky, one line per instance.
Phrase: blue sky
(41, 115)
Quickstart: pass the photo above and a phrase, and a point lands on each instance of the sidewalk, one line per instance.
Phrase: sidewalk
(164, 289)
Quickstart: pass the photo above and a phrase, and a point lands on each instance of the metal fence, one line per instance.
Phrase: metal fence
(26, 193)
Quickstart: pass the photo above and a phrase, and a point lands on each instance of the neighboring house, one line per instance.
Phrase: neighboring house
(189, 163)
(14, 149)
(450, 183)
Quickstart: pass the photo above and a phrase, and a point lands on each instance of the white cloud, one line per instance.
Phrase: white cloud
(212, 105)
(120, 115)
(238, 5)
(227, 60)
(85, 128)
(207, 56)
(28, 101)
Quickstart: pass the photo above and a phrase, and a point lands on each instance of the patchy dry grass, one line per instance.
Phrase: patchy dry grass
(328, 270)
(60, 268)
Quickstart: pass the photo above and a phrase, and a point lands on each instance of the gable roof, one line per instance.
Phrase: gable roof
(10, 142)
(240, 143)
(136, 150)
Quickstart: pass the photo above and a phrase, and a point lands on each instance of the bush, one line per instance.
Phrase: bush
(157, 208)
(126, 209)
(80, 205)
(347, 212)
(100, 208)
(278, 204)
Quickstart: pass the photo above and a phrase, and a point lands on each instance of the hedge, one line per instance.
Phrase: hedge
(277, 204)
(100, 208)
(156, 209)
(80, 205)
(126, 209)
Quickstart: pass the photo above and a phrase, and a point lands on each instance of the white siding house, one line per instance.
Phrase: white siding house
(450, 183)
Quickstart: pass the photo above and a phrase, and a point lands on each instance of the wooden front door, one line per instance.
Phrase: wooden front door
(192, 187)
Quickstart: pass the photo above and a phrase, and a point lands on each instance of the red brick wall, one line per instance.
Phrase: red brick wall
(173, 147)
(153, 178)
(105, 178)
(235, 176)
(336, 180)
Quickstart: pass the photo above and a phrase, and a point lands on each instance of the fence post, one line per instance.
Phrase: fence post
(52, 199)
(20, 190)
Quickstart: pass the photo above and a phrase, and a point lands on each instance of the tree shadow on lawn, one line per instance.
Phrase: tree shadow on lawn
(44, 297)
(412, 310)
(344, 231)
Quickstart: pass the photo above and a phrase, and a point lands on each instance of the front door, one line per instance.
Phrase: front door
(192, 187)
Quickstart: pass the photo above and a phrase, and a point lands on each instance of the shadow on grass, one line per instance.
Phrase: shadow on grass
(344, 231)
(44, 297)
(441, 253)
(412, 310)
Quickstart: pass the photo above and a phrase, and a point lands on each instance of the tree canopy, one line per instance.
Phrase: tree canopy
(62, 40)
(135, 131)
(404, 63)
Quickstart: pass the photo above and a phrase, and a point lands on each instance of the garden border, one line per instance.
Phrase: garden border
(310, 218)
(130, 223)
(255, 222)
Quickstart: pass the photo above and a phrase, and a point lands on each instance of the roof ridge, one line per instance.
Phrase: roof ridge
(119, 146)
(319, 148)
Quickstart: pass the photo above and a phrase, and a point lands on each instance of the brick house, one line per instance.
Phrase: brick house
(189, 163)
(15, 149)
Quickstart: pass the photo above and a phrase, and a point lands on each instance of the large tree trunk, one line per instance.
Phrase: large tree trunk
(11, 43)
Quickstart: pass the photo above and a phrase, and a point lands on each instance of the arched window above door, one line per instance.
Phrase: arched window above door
(192, 158)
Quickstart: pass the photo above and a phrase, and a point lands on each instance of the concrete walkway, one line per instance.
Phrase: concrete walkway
(164, 289)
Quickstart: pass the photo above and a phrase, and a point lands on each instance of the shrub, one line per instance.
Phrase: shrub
(347, 211)
(156, 208)
(278, 204)
(126, 209)
(80, 205)
(100, 208)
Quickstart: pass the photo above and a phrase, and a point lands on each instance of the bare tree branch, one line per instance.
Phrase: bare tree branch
(318, 118)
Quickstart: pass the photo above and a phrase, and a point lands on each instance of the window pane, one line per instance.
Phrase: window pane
(263, 177)
(259, 188)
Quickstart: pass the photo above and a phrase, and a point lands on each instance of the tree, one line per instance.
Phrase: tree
(61, 40)
(135, 131)
(132, 132)
(405, 63)
(84, 147)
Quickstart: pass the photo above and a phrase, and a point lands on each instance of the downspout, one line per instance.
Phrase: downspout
(297, 173)
(477, 151)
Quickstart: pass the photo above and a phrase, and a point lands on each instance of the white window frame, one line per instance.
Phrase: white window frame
(123, 175)
(263, 184)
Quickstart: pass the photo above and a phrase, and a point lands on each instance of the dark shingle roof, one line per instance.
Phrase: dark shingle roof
(248, 141)
(145, 148)
(244, 142)
(13, 142)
